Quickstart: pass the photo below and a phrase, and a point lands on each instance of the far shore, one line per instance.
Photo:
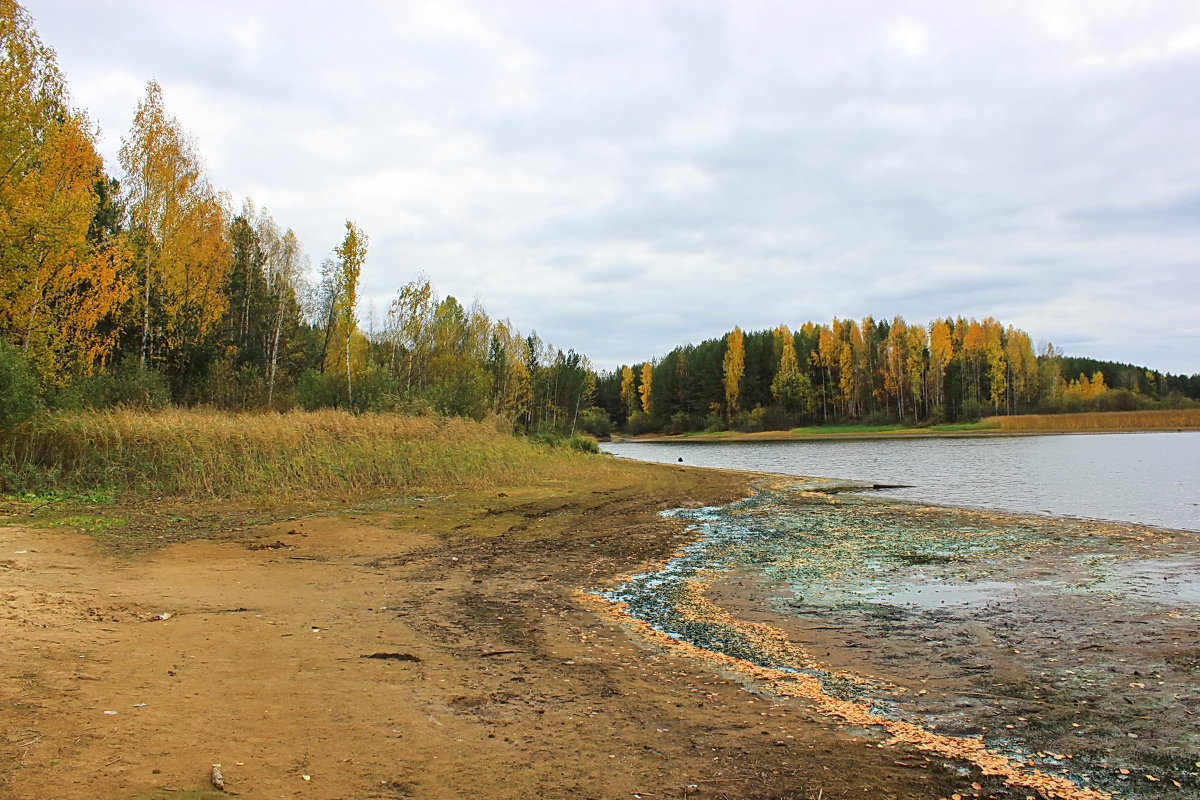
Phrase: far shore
(907, 433)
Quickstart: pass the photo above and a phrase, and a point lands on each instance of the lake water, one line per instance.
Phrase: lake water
(1146, 478)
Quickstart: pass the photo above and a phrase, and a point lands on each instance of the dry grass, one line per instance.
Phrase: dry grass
(1188, 418)
(191, 453)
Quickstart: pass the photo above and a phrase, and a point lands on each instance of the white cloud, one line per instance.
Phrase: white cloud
(625, 177)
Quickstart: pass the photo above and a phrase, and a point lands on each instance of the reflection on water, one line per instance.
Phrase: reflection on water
(1147, 478)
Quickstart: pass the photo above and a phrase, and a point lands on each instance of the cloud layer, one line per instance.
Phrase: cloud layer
(624, 177)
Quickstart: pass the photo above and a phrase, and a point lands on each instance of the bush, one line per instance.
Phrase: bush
(230, 386)
(315, 390)
(877, 418)
(583, 443)
(749, 421)
(777, 418)
(377, 390)
(639, 422)
(20, 395)
(681, 422)
(972, 411)
(127, 385)
(595, 421)
(1119, 400)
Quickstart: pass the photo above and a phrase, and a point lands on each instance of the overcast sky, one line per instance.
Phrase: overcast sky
(624, 177)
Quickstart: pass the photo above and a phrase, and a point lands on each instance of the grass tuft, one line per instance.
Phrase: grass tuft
(197, 453)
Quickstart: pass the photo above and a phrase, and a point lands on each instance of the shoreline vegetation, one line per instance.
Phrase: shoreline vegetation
(1018, 425)
(198, 454)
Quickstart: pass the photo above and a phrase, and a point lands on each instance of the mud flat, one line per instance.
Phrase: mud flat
(1057, 657)
(443, 646)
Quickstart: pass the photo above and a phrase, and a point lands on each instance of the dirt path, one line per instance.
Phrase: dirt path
(431, 648)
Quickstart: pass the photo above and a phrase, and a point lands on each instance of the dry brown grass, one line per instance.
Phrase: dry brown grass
(1188, 418)
(197, 453)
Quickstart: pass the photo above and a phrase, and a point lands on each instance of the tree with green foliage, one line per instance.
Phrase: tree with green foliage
(339, 299)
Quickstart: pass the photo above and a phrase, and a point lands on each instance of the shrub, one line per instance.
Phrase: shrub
(595, 421)
(583, 443)
(877, 418)
(972, 411)
(777, 418)
(20, 395)
(315, 391)
(639, 422)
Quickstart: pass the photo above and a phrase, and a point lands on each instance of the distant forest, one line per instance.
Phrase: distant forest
(951, 370)
(151, 288)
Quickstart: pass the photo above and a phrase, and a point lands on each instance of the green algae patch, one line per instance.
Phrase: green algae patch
(1034, 648)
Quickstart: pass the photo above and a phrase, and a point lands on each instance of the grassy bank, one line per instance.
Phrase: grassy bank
(193, 454)
(1090, 422)
(1165, 420)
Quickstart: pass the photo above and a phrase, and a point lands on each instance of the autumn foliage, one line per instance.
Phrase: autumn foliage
(150, 288)
(947, 370)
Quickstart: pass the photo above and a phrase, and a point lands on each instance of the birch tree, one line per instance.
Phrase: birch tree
(178, 225)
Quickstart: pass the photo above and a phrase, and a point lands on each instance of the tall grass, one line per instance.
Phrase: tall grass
(1166, 419)
(190, 453)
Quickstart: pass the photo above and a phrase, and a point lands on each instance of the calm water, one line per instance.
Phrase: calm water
(1148, 478)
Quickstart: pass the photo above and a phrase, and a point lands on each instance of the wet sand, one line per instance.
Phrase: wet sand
(1069, 648)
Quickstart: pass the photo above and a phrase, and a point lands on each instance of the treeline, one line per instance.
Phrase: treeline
(950, 370)
(149, 289)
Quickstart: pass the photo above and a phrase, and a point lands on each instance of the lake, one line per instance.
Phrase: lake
(1146, 478)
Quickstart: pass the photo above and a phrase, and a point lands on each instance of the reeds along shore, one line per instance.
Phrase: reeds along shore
(196, 453)
(1187, 418)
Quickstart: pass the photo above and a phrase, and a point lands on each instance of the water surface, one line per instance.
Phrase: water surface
(1146, 478)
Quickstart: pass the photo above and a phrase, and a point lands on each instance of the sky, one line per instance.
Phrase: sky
(625, 177)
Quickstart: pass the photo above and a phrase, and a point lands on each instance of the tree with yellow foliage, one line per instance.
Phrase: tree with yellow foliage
(63, 283)
(734, 366)
(340, 283)
(644, 388)
(178, 224)
(941, 353)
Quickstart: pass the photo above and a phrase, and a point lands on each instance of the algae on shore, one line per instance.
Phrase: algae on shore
(1041, 639)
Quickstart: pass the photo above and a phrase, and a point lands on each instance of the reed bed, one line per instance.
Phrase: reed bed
(1167, 419)
(196, 453)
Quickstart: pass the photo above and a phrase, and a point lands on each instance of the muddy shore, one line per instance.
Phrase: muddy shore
(431, 647)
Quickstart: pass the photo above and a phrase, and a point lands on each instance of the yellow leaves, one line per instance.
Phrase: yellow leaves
(787, 349)
(179, 224)
(644, 388)
(59, 286)
(734, 367)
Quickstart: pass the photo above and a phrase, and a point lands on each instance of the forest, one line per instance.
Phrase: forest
(151, 288)
(873, 372)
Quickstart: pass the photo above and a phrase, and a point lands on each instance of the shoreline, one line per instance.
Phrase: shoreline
(453, 646)
(705, 605)
(786, 436)
(414, 648)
